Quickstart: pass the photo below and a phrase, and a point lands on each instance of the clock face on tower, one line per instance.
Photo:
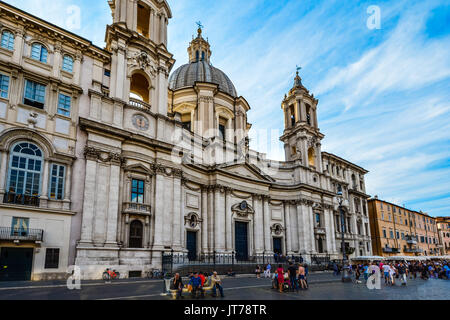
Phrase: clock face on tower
(140, 122)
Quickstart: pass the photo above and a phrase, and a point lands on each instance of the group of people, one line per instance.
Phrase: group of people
(390, 271)
(291, 279)
(196, 284)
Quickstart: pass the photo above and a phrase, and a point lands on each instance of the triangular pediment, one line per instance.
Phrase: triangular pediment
(246, 170)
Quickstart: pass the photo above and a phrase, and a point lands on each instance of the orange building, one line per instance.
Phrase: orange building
(397, 231)
(443, 226)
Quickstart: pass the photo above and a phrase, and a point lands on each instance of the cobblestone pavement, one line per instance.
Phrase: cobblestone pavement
(322, 287)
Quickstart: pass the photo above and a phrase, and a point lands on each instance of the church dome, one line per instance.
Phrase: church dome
(201, 71)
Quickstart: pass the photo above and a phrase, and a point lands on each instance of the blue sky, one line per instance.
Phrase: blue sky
(384, 94)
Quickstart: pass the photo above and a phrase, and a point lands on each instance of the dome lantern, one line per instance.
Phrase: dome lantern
(199, 48)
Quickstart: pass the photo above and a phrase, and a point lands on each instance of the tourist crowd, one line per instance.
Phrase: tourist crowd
(401, 270)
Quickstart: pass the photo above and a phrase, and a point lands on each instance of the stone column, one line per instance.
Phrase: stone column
(298, 109)
(287, 227)
(159, 210)
(45, 181)
(302, 246)
(311, 230)
(204, 219)
(258, 224)
(305, 227)
(177, 210)
(18, 46)
(219, 225)
(161, 28)
(3, 174)
(120, 75)
(168, 213)
(228, 221)
(67, 188)
(267, 231)
(211, 219)
(89, 199)
(57, 60)
(294, 227)
(113, 203)
(303, 111)
(155, 26)
(77, 68)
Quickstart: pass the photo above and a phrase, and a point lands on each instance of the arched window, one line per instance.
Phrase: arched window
(311, 157)
(39, 52)
(308, 114)
(67, 63)
(197, 56)
(203, 55)
(136, 232)
(24, 175)
(143, 19)
(7, 40)
(140, 88)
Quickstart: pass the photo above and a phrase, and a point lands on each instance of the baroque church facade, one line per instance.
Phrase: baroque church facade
(157, 160)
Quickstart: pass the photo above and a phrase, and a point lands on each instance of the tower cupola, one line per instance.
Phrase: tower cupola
(199, 48)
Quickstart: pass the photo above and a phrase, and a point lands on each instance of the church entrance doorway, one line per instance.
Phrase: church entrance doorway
(277, 246)
(191, 245)
(241, 240)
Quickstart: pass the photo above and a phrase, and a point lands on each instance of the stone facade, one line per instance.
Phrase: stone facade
(159, 167)
(54, 133)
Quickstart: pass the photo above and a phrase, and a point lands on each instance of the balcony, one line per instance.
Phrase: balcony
(391, 250)
(137, 208)
(21, 199)
(411, 240)
(319, 230)
(139, 104)
(413, 250)
(17, 235)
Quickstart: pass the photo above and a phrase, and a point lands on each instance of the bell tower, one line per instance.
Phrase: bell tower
(140, 63)
(302, 136)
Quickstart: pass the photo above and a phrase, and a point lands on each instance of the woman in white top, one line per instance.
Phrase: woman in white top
(392, 272)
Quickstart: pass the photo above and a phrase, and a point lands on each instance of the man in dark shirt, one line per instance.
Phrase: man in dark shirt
(177, 284)
(293, 276)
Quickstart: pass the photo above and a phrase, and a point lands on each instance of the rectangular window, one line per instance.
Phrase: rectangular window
(39, 52)
(34, 94)
(403, 236)
(67, 64)
(137, 191)
(7, 40)
(391, 234)
(4, 86)
(318, 220)
(57, 179)
(222, 131)
(398, 235)
(51, 258)
(19, 226)
(382, 216)
(64, 103)
(384, 234)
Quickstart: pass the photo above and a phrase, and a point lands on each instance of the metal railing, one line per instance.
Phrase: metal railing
(140, 104)
(137, 207)
(176, 261)
(21, 234)
(21, 199)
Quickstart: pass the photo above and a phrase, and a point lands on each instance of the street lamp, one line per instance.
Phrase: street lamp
(345, 273)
